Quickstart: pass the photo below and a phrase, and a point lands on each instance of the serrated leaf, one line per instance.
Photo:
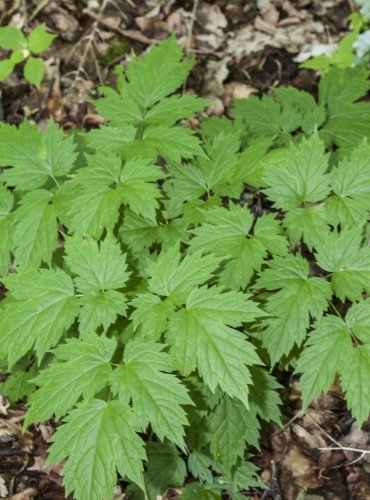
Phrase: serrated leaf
(199, 466)
(151, 314)
(171, 278)
(264, 399)
(101, 270)
(220, 354)
(44, 306)
(226, 234)
(101, 309)
(231, 427)
(81, 368)
(158, 74)
(303, 179)
(113, 444)
(165, 468)
(327, 347)
(348, 121)
(137, 187)
(309, 224)
(156, 394)
(296, 297)
(18, 384)
(200, 491)
(350, 181)
(343, 255)
(39, 39)
(136, 232)
(171, 109)
(98, 267)
(172, 143)
(95, 209)
(354, 379)
(36, 231)
(36, 157)
(119, 109)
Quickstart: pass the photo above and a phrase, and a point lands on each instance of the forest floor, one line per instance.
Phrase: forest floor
(241, 48)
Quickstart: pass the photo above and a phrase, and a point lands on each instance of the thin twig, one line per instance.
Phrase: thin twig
(90, 41)
(191, 25)
(41, 5)
(344, 448)
(279, 431)
(131, 34)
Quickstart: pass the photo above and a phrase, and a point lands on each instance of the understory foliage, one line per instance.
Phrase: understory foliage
(155, 275)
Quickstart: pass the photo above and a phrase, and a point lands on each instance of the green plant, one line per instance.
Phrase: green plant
(25, 49)
(346, 52)
(152, 302)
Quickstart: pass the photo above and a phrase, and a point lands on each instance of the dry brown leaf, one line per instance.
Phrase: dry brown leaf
(3, 489)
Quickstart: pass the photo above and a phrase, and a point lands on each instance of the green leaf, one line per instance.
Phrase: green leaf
(36, 157)
(199, 464)
(82, 369)
(165, 468)
(171, 109)
(101, 309)
(264, 398)
(261, 115)
(95, 209)
(6, 68)
(18, 385)
(158, 74)
(199, 338)
(246, 476)
(231, 427)
(169, 277)
(138, 189)
(348, 120)
(119, 109)
(12, 38)
(113, 444)
(156, 395)
(343, 255)
(226, 234)
(151, 314)
(39, 39)
(100, 270)
(219, 165)
(303, 179)
(36, 231)
(296, 297)
(59, 150)
(251, 168)
(358, 320)
(354, 379)
(309, 224)
(99, 267)
(43, 307)
(6, 233)
(327, 348)
(34, 71)
(200, 491)
(350, 181)
(172, 143)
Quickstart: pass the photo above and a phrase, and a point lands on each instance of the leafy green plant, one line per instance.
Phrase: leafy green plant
(152, 297)
(350, 50)
(25, 49)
